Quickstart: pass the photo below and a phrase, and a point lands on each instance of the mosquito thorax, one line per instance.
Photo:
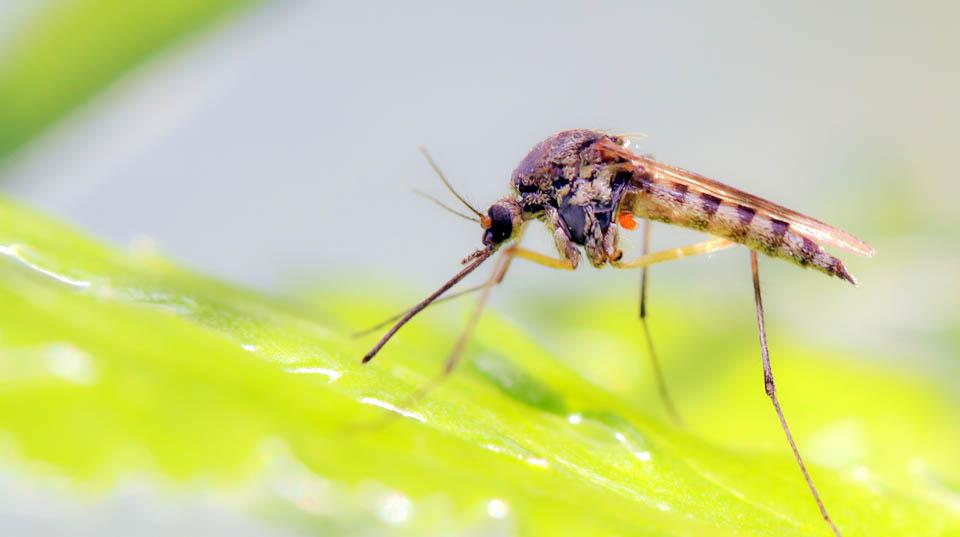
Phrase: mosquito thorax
(546, 176)
(502, 221)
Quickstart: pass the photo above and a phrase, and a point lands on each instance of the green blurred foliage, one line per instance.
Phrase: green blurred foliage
(70, 50)
(115, 364)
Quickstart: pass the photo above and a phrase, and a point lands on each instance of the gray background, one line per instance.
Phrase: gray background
(280, 150)
(286, 143)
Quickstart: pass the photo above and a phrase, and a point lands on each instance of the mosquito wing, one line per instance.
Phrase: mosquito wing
(811, 227)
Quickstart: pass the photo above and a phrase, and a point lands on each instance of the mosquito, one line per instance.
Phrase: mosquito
(586, 185)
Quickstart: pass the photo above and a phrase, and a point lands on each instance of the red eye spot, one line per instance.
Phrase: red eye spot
(626, 221)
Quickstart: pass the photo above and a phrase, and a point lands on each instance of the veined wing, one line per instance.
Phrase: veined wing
(806, 225)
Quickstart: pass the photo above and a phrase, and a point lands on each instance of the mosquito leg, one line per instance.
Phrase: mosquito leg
(476, 259)
(663, 256)
(499, 275)
(651, 351)
(456, 353)
(644, 261)
(647, 225)
(771, 389)
(540, 259)
(393, 318)
(499, 272)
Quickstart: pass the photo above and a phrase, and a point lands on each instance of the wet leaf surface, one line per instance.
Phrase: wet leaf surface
(119, 363)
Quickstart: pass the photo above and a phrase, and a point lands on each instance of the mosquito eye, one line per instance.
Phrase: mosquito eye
(527, 188)
(501, 224)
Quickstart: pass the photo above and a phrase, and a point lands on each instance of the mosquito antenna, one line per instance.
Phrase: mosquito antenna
(476, 259)
(445, 206)
(447, 183)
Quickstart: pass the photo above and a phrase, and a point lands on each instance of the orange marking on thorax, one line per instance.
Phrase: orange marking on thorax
(626, 220)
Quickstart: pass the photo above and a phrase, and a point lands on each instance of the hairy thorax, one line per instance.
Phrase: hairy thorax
(568, 184)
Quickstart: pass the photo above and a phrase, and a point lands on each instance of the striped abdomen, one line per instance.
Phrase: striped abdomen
(677, 203)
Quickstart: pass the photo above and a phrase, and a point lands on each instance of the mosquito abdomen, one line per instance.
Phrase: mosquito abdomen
(682, 205)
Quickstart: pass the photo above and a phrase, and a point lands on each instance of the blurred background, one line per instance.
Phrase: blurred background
(274, 144)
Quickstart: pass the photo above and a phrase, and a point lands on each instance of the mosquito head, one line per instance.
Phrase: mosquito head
(502, 221)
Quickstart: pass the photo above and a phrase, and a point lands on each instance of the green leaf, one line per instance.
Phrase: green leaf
(70, 50)
(115, 364)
